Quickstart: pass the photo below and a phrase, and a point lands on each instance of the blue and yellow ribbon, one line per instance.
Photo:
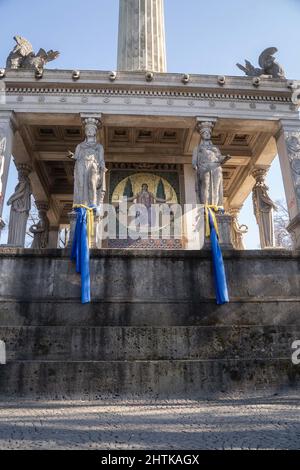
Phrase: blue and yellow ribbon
(90, 220)
(83, 233)
(212, 231)
(211, 210)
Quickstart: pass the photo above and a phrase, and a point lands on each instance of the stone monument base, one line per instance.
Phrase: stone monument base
(224, 226)
(96, 238)
(153, 327)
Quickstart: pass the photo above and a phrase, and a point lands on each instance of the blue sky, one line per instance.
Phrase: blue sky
(202, 37)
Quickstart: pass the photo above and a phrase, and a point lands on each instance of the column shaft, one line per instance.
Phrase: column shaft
(7, 126)
(141, 43)
(288, 144)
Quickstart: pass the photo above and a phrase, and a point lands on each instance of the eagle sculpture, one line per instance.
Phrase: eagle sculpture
(23, 56)
(268, 65)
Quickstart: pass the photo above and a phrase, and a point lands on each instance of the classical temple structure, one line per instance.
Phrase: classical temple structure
(152, 126)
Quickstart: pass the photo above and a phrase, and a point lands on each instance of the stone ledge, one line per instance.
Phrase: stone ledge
(121, 253)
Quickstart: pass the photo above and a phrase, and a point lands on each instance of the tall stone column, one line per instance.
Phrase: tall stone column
(53, 236)
(7, 129)
(193, 228)
(263, 207)
(141, 44)
(288, 144)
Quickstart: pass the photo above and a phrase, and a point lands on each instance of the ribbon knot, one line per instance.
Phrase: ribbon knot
(211, 210)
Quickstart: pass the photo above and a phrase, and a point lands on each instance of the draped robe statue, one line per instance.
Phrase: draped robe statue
(237, 230)
(40, 230)
(89, 172)
(263, 209)
(207, 161)
(20, 203)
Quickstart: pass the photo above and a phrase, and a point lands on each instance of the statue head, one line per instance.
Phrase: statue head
(269, 62)
(91, 127)
(23, 171)
(205, 130)
(259, 174)
(90, 130)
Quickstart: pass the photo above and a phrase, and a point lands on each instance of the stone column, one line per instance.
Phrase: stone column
(193, 230)
(141, 44)
(7, 129)
(263, 208)
(53, 236)
(288, 144)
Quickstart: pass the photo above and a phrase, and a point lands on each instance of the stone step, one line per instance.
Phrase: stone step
(134, 275)
(148, 343)
(116, 312)
(92, 380)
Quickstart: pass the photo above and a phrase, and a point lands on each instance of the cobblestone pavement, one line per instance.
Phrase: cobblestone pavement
(237, 423)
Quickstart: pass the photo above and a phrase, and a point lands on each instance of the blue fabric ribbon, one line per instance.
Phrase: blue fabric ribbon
(81, 254)
(221, 289)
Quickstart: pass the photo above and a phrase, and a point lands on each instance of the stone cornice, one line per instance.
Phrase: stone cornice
(134, 83)
(106, 92)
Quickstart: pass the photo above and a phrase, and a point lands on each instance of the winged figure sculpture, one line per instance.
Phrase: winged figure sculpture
(23, 56)
(267, 63)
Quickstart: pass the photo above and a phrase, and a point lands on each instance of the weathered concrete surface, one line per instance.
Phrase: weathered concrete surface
(111, 343)
(149, 276)
(153, 326)
(177, 378)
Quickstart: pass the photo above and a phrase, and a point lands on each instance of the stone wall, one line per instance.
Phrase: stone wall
(153, 325)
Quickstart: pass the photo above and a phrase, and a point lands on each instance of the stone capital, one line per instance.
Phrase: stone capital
(259, 173)
(288, 125)
(8, 118)
(205, 123)
(93, 119)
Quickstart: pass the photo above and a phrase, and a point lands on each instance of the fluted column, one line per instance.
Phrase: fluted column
(142, 36)
(288, 144)
(7, 129)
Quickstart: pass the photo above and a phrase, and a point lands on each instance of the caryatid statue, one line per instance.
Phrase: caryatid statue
(89, 172)
(40, 230)
(20, 203)
(207, 161)
(263, 209)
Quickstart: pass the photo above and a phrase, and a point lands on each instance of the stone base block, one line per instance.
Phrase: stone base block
(198, 379)
(224, 225)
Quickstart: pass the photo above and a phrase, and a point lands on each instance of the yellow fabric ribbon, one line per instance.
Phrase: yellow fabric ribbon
(212, 211)
(90, 221)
